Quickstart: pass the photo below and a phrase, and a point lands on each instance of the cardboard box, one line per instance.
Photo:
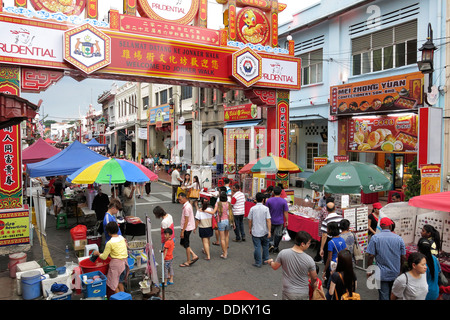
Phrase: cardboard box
(79, 244)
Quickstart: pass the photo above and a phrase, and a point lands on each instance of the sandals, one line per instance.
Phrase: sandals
(185, 265)
(216, 243)
(193, 261)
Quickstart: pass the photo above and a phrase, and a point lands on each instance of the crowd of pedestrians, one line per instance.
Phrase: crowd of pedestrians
(398, 277)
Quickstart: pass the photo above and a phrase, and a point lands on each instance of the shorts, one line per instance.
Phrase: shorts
(223, 225)
(205, 232)
(184, 242)
(168, 268)
(57, 201)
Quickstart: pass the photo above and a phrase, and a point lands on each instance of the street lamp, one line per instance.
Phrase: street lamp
(428, 48)
(172, 106)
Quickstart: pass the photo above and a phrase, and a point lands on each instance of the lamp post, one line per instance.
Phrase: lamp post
(426, 64)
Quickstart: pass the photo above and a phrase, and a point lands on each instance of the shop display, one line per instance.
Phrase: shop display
(383, 133)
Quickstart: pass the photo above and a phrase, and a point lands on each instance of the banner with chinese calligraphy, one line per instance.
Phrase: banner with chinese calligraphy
(283, 123)
(430, 179)
(14, 227)
(11, 168)
(319, 162)
(341, 158)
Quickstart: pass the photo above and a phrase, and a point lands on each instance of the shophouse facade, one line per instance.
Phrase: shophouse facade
(360, 74)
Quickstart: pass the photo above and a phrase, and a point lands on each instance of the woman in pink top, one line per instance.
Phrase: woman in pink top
(224, 221)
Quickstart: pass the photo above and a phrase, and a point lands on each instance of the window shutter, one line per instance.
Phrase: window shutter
(361, 44)
(382, 38)
(406, 31)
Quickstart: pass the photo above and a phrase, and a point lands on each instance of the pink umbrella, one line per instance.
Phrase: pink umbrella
(150, 174)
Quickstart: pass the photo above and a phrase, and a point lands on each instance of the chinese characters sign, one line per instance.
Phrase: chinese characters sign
(283, 124)
(14, 227)
(430, 179)
(10, 166)
(247, 111)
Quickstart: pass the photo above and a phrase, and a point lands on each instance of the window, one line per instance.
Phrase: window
(312, 150)
(145, 103)
(186, 92)
(312, 63)
(163, 97)
(385, 49)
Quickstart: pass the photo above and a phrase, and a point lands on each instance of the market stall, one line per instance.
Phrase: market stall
(410, 217)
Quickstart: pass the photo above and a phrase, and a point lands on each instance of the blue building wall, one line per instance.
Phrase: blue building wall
(330, 21)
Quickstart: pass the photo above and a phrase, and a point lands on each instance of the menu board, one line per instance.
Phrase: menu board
(383, 133)
(403, 92)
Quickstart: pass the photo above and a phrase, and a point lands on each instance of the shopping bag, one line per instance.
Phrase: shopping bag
(286, 236)
(195, 193)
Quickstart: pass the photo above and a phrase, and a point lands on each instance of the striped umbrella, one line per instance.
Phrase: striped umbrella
(112, 171)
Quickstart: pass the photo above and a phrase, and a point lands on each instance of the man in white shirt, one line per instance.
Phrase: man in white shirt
(176, 180)
(238, 206)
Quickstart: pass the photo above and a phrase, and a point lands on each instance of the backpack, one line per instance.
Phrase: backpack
(346, 295)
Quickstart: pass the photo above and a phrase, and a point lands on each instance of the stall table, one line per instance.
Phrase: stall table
(298, 223)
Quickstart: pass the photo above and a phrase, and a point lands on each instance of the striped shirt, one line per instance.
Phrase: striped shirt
(238, 202)
(387, 247)
(332, 217)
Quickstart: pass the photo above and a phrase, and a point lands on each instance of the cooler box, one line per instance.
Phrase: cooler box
(27, 266)
(95, 289)
(47, 283)
(121, 296)
(19, 282)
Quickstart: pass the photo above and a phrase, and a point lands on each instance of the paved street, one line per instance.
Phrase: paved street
(202, 281)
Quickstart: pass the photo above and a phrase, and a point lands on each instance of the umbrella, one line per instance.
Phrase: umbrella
(273, 164)
(349, 177)
(247, 168)
(433, 201)
(112, 171)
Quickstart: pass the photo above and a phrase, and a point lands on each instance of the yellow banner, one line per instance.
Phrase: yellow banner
(430, 179)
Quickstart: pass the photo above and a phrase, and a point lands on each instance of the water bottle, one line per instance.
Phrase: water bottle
(67, 252)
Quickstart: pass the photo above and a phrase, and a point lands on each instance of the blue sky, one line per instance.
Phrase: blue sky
(68, 99)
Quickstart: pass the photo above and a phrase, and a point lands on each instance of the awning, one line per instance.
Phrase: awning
(242, 124)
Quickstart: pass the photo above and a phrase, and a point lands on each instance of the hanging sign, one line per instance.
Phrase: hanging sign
(319, 162)
(181, 11)
(383, 134)
(14, 227)
(430, 179)
(402, 92)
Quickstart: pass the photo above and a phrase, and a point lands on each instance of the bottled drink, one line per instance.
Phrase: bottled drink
(67, 252)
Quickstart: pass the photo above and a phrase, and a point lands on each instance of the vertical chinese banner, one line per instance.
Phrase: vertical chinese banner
(430, 179)
(11, 169)
(10, 146)
(91, 9)
(283, 123)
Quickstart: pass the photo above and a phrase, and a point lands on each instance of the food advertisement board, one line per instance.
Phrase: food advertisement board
(383, 133)
(403, 92)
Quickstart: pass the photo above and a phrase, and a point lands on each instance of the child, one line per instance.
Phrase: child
(169, 245)
(430, 233)
(116, 247)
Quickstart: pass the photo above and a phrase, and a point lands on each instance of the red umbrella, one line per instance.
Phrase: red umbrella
(150, 174)
(433, 201)
(247, 168)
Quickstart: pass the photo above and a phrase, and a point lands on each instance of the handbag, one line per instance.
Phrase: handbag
(195, 193)
(286, 236)
(318, 294)
(214, 223)
(357, 250)
(442, 280)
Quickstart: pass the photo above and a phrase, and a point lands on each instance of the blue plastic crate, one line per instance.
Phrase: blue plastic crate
(121, 296)
(95, 289)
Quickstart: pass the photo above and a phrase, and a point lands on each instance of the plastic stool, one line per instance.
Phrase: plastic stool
(88, 248)
(59, 218)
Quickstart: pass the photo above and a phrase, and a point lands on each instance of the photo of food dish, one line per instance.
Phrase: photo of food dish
(353, 106)
(389, 100)
(376, 104)
(363, 106)
(343, 106)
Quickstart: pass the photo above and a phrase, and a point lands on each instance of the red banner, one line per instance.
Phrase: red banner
(10, 166)
(139, 55)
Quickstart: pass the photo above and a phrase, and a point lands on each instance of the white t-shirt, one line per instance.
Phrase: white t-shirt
(175, 176)
(238, 202)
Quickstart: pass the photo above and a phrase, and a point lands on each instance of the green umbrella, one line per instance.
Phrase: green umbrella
(349, 177)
